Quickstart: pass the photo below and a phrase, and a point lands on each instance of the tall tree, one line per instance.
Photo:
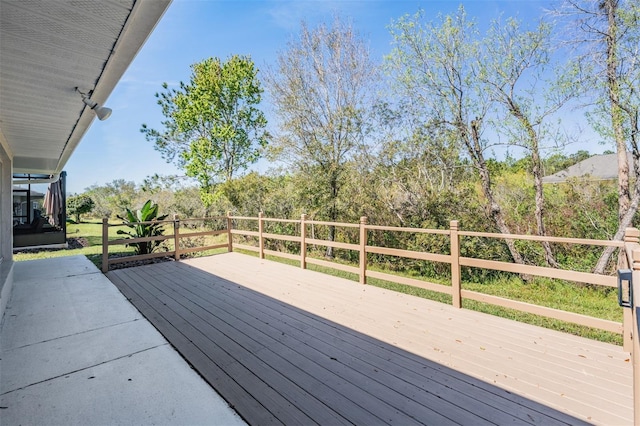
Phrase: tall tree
(516, 71)
(434, 68)
(321, 91)
(608, 37)
(213, 127)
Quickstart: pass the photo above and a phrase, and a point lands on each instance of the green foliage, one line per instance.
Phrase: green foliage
(322, 92)
(112, 197)
(213, 128)
(148, 213)
(79, 204)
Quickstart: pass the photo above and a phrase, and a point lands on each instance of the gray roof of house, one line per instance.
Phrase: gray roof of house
(598, 167)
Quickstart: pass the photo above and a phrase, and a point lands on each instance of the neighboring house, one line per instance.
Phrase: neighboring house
(47, 50)
(598, 167)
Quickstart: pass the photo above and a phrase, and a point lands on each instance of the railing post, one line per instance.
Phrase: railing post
(260, 237)
(105, 244)
(631, 235)
(455, 265)
(303, 243)
(363, 250)
(229, 234)
(176, 237)
(635, 350)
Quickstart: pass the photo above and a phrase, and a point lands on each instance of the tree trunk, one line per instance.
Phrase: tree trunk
(537, 181)
(627, 219)
(333, 213)
(625, 222)
(493, 208)
(536, 171)
(613, 87)
(610, 7)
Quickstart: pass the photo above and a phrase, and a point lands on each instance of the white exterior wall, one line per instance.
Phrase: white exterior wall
(6, 226)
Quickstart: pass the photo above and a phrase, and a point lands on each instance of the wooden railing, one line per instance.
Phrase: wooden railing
(453, 258)
(175, 231)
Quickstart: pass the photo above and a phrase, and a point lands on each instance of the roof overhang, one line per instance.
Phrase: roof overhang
(47, 49)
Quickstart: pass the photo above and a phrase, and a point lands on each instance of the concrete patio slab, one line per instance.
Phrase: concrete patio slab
(74, 351)
(48, 308)
(153, 387)
(57, 357)
(55, 267)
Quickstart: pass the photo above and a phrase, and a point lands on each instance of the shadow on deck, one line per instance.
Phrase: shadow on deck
(279, 363)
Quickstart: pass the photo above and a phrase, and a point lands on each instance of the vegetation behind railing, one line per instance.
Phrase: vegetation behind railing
(367, 251)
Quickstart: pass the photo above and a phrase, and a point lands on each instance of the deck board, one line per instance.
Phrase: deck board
(291, 346)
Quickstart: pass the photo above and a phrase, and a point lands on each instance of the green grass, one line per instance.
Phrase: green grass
(92, 232)
(586, 300)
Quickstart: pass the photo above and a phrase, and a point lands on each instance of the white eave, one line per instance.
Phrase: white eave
(47, 49)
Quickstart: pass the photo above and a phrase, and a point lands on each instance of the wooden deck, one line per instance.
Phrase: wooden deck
(289, 346)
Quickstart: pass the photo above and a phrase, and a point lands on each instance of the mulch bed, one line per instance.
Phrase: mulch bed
(134, 263)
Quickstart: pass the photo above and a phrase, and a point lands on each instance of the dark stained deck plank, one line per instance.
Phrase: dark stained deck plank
(276, 362)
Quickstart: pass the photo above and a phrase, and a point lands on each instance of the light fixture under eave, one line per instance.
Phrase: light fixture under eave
(102, 112)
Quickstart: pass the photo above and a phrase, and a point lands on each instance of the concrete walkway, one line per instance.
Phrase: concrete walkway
(73, 350)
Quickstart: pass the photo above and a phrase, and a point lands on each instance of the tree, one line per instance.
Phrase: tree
(213, 128)
(321, 93)
(608, 34)
(79, 204)
(112, 197)
(516, 72)
(435, 67)
(177, 194)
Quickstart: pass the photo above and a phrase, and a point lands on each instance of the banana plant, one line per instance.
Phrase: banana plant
(148, 213)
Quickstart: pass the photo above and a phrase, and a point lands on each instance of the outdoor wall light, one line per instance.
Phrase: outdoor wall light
(102, 112)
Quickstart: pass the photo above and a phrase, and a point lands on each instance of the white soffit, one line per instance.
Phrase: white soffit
(47, 48)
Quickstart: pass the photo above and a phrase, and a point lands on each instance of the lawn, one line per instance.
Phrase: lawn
(88, 234)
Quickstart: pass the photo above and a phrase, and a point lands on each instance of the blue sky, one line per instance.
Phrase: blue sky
(192, 30)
